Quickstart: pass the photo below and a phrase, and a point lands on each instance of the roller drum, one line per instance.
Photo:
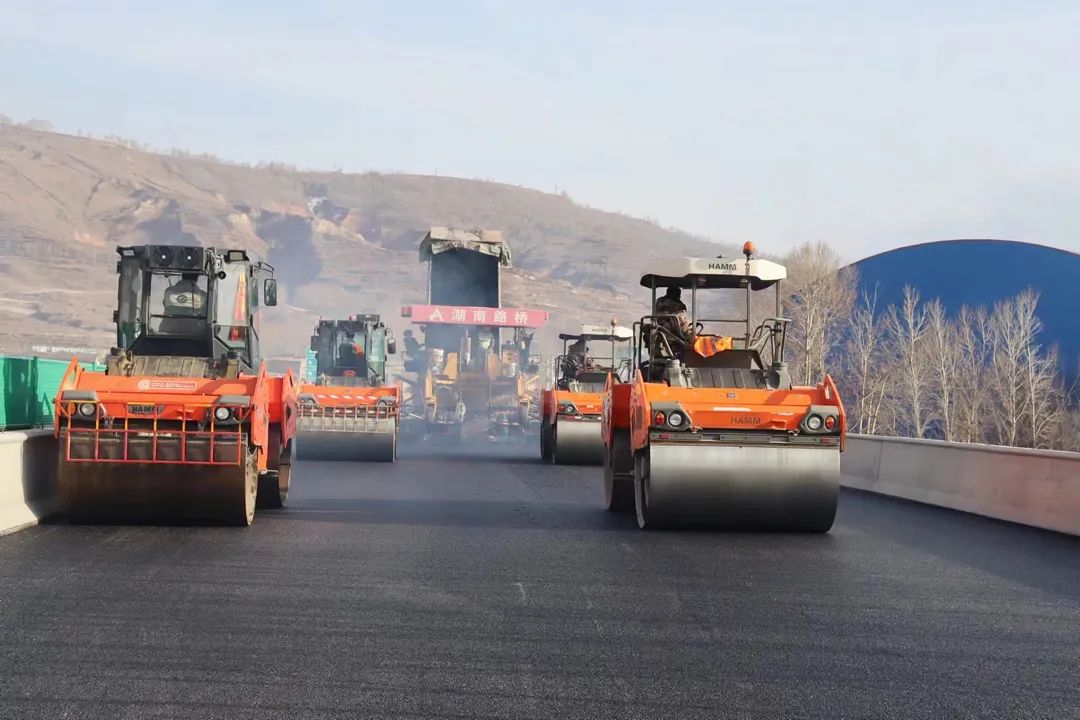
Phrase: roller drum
(578, 442)
(347, 446)
(105, 492)
(793, 489)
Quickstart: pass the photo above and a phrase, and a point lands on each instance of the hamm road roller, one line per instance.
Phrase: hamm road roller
(185, 423)
(711, 432)
(570, 411)
(349, 412)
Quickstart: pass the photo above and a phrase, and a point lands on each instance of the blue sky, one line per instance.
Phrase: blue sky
(869, 125)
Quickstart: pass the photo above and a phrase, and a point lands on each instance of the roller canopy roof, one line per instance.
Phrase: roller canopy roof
(442, 239)
(618, 333)
(714, 273)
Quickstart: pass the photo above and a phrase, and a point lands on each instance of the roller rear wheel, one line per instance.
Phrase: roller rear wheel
(646, 518)
(547, 451)
(274, 484)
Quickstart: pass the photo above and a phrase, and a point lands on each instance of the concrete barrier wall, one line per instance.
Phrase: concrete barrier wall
(27, 478)
(1040, 488)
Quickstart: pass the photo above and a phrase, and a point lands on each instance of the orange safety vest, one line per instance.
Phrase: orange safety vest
(709, 345)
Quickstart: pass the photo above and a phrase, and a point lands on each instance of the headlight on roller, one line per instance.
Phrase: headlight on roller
(813, 423)
(676, 420)
(222, 414)
(87, 409)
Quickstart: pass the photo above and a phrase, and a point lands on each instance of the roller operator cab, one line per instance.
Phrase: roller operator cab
(185, 423)
(350, 412)
(711, 430)
(571, 407)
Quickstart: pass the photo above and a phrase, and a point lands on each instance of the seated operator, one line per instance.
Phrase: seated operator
(184, 304)
(575, 358)
(185, 298)
(351, 354)
(670, 304)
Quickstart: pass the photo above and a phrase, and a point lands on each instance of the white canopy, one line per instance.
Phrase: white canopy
(618, 333)
(714, 273)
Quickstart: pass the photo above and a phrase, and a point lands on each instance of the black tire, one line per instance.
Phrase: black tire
(274, 483)
(646, 517)
(547, 451)
(251, 490)
(618, 488)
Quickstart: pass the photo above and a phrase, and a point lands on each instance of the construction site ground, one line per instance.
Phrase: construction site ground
(477, 585)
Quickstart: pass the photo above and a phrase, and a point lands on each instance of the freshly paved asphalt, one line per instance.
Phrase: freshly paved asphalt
(483, 587)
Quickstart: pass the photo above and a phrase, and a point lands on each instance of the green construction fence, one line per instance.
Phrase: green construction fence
(28, 386)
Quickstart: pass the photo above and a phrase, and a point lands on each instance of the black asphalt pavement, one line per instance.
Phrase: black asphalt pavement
(497, 587)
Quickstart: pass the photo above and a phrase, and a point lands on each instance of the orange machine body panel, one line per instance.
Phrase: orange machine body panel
(171, 406)
(733, 409)
(589, 406)
(615, 413)
(353, 401)
(587, 403)
(355, 395)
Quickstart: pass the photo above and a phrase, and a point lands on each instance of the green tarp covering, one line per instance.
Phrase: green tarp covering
(28, 386)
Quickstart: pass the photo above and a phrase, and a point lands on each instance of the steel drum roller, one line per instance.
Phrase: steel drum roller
(94, 492)
(737, 487)
(347, 445)
(578, 442)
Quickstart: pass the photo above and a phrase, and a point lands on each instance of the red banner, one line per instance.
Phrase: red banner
(498, 317)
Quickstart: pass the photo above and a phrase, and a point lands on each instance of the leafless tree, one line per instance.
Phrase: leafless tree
(969, 394)
(1011, 330)
(943, 360)
(1046, 397)
(907, 326)
(913, 370)
(820, 296)
(865, 372)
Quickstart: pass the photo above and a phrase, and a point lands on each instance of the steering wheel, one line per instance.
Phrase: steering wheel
(670, 339)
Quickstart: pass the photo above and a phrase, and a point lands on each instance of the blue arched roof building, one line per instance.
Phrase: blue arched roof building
(980, 273)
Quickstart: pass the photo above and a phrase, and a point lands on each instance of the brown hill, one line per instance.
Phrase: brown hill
(341, 243)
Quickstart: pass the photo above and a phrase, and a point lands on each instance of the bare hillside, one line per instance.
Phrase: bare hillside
(341, 243)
